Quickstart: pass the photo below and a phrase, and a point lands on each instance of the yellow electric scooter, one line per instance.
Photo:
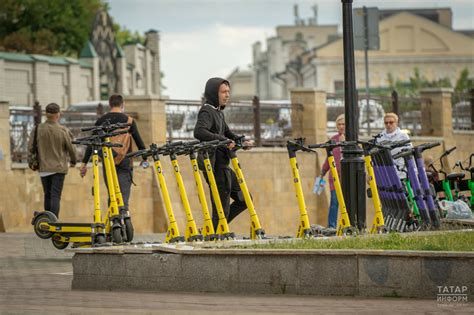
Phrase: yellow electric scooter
(46, 224)
(117, 209)
(378, 225)
(208, 229)
(344, 226)
(304, 228)
(256, 230)
(172, 234)
(192, 234)
(222, 231)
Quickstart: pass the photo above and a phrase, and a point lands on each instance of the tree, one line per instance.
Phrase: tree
(47, 27)
(125, 36)
(464, 84)
(415, 84)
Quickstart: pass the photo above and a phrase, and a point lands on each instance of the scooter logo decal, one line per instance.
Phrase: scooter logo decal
(176, 169)
(195, 168)
(158, 169)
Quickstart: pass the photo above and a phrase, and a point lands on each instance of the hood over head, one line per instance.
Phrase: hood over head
(211, 93)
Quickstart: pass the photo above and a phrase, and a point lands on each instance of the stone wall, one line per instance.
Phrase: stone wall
(267, 172)
(25, 79)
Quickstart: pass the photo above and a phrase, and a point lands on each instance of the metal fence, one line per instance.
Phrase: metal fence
(370, 122)
(268, 122)
(22, 123)
(463, 110)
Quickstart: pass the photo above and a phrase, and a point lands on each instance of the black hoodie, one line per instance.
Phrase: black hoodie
(211, 123)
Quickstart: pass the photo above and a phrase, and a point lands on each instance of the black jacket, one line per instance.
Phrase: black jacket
(211, 124)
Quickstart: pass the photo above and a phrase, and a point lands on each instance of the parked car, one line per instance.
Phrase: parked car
(83, 114)
(21, 124)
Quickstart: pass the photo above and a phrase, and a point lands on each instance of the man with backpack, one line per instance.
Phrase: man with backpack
(124, 166)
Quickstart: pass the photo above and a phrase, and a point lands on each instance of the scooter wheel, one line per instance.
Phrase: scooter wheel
(382, 230)
(100, 239)
(117, 235)
(44, 218)
(128, 230)
(349, 231)
(59, 244)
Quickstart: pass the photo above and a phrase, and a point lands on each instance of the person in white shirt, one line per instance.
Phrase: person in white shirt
(392, 133)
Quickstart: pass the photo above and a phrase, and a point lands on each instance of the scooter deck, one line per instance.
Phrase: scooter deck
(65, 224)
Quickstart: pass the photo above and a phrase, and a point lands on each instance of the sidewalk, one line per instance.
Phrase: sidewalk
(36, 278)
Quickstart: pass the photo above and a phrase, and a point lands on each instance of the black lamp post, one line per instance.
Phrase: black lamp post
(352, 164)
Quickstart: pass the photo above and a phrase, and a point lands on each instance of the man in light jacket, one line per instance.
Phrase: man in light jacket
(55, 151)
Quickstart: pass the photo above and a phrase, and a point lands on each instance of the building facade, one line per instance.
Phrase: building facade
(102, 68)
(409, 40)
(311, 55)
(282, 54)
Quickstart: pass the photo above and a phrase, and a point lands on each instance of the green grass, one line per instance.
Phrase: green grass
(448, 241)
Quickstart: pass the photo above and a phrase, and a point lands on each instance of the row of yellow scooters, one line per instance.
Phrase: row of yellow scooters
(115, 225)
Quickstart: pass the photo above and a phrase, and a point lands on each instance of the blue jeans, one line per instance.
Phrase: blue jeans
(333, 208)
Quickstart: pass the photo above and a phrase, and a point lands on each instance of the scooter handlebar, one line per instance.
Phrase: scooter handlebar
(461, 166)
(298, 144)
(331, 144)
(448, 152)
(112, 145)
(191, 143)
(427, 146)
(402, 154)
(107, 127)
(99, 143)
(396, 144)
(172, 144)
(372, 144)
(144, 153)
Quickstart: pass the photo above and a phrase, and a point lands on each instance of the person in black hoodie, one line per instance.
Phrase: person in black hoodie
(125, 167)
(211, 125)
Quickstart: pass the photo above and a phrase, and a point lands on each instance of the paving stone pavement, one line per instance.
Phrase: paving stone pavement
(35, 278)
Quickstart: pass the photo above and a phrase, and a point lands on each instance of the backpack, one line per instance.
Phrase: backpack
(126, 140)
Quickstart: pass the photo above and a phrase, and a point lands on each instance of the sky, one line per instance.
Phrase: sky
(200, 39)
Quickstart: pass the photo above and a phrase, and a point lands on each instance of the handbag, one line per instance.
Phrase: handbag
(33, 158)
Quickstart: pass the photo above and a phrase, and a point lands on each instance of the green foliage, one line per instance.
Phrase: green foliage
(442, 241)
(46, 27)
(125, 36)
(464, 84)
(415, 84)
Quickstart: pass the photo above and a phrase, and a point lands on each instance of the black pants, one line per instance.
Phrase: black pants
(228, 187)
(125, 182)
(53, 187)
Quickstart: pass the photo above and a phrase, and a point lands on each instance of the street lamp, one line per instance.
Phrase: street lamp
(352, 164)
